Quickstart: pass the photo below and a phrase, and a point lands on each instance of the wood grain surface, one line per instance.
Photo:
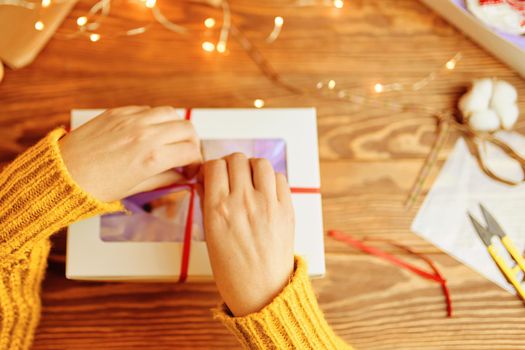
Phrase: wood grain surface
(369, 160)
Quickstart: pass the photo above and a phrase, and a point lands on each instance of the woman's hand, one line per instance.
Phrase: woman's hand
(249, 225)
(128, 150)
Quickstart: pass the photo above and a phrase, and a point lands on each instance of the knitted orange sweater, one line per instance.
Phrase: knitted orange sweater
(38, 197)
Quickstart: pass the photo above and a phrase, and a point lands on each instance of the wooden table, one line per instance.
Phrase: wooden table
(369, 160)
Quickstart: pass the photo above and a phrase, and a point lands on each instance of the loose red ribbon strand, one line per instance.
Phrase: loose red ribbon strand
(436, 276)
(186, 245)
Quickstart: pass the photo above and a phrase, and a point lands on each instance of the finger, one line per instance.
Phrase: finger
(239, 172)
(264, 177)
(159, 115)
(163, 179)
(284, 194)
(174, 131)
(216, 183)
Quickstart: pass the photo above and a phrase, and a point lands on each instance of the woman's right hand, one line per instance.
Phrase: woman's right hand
(128, 150)
(249, 225)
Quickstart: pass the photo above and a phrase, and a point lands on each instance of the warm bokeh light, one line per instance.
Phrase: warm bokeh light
(339, 4)
(221, 47)
(39, 25)
(81, 21)
(258, 103)
(378, 88)
(208, 47)
(46, 3)
(94, 37)
(209, 22)
(150, 3)
(279, 21)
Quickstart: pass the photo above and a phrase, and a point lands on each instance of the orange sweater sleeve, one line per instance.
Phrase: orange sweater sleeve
(293, 320)
(37, 198)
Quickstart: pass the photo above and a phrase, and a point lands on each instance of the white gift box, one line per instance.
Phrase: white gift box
(92, 256)
(509, 48)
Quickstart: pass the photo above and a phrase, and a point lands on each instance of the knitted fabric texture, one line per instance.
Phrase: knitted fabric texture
(293, 320)
(37, 198)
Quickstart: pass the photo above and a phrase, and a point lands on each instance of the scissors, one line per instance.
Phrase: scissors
(493, 230)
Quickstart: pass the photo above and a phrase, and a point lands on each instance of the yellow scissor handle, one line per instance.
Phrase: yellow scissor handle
(507, 271)
(514, 252)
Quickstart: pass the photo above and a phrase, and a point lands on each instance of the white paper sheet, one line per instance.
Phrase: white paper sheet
(459, 188)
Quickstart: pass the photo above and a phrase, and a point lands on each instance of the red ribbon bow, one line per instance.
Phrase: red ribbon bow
(186, 245)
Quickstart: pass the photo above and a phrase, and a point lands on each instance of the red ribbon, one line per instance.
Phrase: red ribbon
(436, 276)
(186, 245)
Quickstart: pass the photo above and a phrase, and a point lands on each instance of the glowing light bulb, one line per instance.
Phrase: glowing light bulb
(279, 21)
(150, 3)
(39, 25)
(378, 88)
(209, 22)
(46, 3)
(94, 37)
(258, 103)
(451, 64)
(339, 4)
(331, 84)
(208, 47)
(221, 47)
(81, 21)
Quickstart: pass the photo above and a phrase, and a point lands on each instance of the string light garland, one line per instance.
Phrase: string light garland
(89, 25)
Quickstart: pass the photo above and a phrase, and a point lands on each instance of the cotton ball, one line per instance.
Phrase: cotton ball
(478, 98)
(508, 114)
(483, 88)
(471, 102)
(504, 91)
(490, 105)
(504, 102)
(486, 120)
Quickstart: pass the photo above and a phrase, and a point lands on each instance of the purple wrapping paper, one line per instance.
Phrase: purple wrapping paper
(518, 40)
(160, 215)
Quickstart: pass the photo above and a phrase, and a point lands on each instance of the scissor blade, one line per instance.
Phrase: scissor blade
(482, 231)
(492, 224)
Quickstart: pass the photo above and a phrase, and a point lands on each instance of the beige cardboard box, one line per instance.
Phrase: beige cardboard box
(89, 257)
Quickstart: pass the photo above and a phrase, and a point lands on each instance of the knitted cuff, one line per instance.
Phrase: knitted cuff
(38, 197)
(292, 320)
